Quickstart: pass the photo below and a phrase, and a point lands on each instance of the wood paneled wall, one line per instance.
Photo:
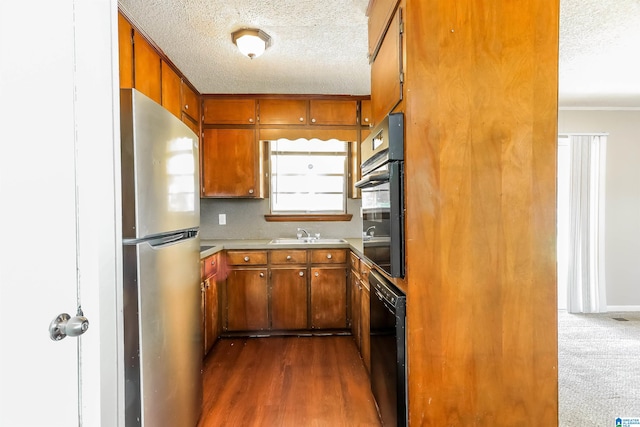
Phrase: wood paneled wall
(481, 124)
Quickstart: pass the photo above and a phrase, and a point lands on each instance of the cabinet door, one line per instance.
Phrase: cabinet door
(283, 111)
(331, 112)
(247, 300)
(365, 322)
(231, 111)
(229, 163)
(365, 113)
(147, 72)
(289, 298)
(193, 125)
(386, 72)
(211, 313)
(356, 290)
(379, 14)
(203, 312)
(190, 101)
(328, 298)
(170, 90)
(125, 52)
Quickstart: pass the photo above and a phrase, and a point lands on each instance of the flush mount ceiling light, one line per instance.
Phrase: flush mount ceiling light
(251, 42)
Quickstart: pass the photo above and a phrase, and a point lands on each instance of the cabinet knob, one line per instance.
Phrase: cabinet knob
(288, 257)
(186, 106)
(213, 262)
(301, 119)
(366, 119)
(251, 191)
(246, 259)
(250, 120)
(316, 274)
(329, 256)
(261, 274)
(313, 120)
(301, 273)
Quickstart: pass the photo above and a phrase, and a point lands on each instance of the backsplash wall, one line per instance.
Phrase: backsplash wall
(245, 220)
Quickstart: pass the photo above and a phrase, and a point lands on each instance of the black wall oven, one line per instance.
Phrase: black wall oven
(382, 187)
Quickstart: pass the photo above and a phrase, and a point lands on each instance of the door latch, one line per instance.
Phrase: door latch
(65, 325)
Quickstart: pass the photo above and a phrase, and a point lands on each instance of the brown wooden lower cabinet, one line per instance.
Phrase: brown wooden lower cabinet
(328, 298)
(285, 289)
(211, 286)
(356, 311)
(365, 325)
(211, 317)
(289, 298)
(247, 300)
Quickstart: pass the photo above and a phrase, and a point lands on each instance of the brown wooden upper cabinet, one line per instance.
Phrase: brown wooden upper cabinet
(229, 163)
(308, 112)
(283, 111)
(365, 113)
(170, 89)
(386, 71)
(190, 101)
(333, 112)
(147, 68)
(379, 13)
(125, 51)
(229, 111)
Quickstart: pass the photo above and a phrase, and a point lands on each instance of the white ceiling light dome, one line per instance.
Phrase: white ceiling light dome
(251, 42)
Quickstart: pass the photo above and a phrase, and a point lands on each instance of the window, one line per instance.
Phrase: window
(308, 176)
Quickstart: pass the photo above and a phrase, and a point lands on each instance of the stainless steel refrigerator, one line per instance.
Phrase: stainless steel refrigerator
(160, 220)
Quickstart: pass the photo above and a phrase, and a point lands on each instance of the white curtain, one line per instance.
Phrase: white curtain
(586, 279)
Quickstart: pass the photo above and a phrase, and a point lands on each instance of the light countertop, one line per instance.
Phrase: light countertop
(215, 246)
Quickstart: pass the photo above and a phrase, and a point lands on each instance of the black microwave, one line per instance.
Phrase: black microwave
(382, 188)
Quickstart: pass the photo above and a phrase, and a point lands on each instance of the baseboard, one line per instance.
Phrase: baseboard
(623, 308)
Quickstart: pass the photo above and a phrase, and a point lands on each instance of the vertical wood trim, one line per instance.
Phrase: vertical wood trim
(481, 123)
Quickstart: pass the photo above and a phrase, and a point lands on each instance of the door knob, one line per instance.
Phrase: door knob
(65, 325)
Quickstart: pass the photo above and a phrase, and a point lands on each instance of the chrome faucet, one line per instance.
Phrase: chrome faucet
(368, 233)
(300, 231)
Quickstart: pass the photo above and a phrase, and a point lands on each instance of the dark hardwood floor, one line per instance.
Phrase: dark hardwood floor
(287, 381)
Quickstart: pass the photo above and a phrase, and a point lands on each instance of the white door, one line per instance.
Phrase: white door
(58, 204)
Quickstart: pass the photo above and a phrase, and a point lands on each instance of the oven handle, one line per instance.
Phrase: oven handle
(373, 179)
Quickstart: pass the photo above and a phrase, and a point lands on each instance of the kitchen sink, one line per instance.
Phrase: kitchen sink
(307, 241)
(204, 248)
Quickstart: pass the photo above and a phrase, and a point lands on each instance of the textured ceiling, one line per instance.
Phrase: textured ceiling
(599, 53)
(316, 46)
(320, 46)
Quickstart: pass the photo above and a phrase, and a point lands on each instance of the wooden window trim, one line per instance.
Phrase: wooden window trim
(307, 217)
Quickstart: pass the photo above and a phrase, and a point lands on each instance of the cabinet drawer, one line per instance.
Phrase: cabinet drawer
(247, 257)
(210, 265)
(328, 256)
(289, 257)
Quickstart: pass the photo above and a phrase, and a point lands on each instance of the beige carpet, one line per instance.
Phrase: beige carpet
(598, 368)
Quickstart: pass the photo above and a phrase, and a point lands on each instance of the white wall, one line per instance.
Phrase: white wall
(622, 223)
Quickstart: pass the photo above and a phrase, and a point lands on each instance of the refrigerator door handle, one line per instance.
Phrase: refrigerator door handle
(167, 240)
